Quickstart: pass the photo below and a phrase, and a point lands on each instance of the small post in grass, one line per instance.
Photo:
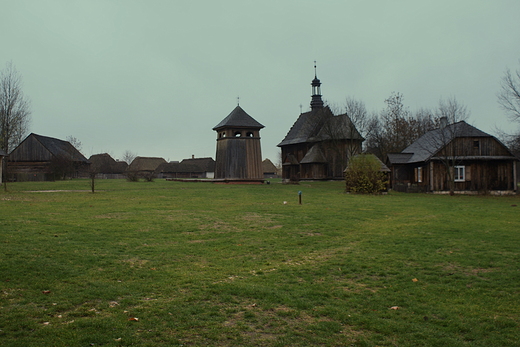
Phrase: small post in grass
(300, 197)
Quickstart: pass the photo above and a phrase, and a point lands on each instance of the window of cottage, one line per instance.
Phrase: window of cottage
(238, 134)
(460, 173)
(249, 134)
(476, 144)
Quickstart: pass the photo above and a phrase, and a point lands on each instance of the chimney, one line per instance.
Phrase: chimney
(193, 156)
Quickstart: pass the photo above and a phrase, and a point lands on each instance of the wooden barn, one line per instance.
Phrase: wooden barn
(319, 144)
(239, 154)
(42, 158)
(2, 156)
(107, 167)
(457, 158)
(188, 168)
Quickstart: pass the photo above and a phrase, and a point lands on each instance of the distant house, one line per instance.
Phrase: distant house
(42, 158)
(2, 155)
(106, 167)
(319, 144)
(454, 158)
(188, 168)
(145, 166)
(269, 169)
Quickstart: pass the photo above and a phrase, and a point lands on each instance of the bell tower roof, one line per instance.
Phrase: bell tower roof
(238, 118)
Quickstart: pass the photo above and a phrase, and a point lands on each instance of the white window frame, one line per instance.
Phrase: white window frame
(460, 173)
(419, 174)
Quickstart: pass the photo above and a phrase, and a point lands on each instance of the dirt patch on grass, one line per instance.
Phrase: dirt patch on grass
(135, 262)
(468, 271)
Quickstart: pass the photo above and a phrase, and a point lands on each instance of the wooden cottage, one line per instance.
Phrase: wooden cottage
(42, 158)
(188, 168)
(106, 167)
(455, 158)
(269, 169)
(239, 154)
(319, 144)
(2, 156)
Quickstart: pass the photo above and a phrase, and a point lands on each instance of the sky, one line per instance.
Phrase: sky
(154, 77)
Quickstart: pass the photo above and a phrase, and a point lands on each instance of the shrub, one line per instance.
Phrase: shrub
(132, 176)
(363, 175)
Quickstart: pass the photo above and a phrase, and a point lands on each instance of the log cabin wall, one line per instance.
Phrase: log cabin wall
(474, 146)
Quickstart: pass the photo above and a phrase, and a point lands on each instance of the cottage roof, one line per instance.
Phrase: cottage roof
(433, 141)
(268, 166)
(104, 163)
(189, 165)
(206, 164)
(2, 153)
(238, 118)
(399, 158)
(145, 164)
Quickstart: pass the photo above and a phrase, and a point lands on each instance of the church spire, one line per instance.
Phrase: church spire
(316, 101)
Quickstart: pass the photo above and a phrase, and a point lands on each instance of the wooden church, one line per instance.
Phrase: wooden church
(239, 155)
(319, 144)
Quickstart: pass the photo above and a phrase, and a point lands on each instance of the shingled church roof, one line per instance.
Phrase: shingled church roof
(321, 125)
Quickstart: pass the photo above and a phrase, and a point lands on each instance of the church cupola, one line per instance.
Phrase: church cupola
(316, 101)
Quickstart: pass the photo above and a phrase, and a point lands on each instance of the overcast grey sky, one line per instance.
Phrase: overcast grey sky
(154, 77)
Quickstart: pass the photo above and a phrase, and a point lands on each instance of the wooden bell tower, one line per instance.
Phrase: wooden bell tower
(239, 154)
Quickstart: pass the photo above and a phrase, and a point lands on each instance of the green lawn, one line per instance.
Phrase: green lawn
(200, 264)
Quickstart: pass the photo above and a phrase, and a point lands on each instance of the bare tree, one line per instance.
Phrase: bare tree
(75, 142)
(509, 95)
(14, 109)
(393, 130)
(452, 110)
(445, 142)
(129, 156)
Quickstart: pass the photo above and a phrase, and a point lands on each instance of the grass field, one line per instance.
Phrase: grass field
(199, 264)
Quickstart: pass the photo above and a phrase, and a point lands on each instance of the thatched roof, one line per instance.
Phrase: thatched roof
(268, 166)
(189, 166)
(104, 163)
(145, 164)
